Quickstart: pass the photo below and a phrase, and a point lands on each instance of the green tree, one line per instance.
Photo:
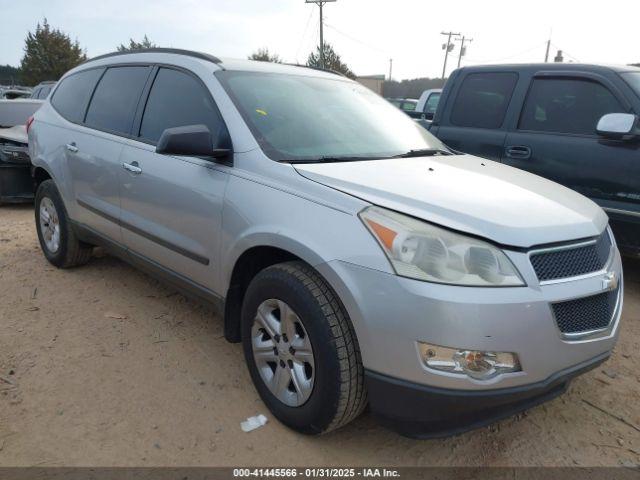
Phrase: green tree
(9, 75)
(49, 53)
(263, 55)
(332, 61)
(133, 45)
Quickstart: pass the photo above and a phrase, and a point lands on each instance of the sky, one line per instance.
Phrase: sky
(366, 33)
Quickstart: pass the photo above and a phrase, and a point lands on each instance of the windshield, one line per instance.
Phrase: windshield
(299, 118)
(633, 79)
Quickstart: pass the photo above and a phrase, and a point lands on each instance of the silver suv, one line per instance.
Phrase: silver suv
(357, 258)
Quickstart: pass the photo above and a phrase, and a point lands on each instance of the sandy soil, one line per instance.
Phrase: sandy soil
(104, 366)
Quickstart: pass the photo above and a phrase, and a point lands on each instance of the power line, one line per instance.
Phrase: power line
(304, 34)
(355, 39)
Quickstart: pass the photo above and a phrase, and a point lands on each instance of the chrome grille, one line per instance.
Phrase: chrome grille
(586, 314)
(571, 262)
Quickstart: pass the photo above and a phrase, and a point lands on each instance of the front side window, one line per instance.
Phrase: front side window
(72, 95)
(567, 105)
(115, 99)
(309, 118)
(176, 100)
(483, 100)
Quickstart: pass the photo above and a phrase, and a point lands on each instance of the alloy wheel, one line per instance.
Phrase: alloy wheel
(283, 353)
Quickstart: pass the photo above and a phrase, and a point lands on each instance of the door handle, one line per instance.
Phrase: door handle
(518, 151)
(132, 167)
(72, 147)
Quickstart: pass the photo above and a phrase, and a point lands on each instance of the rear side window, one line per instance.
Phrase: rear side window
(177, 99)
(483, 100)
(114, 102)
(73, 93)
(567, 105)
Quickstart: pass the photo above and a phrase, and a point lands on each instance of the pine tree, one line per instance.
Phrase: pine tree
(48, 54)
(133, 45)
(332, 61)
(263, 55)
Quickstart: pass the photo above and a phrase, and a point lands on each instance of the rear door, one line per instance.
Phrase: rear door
(93, 148)
(172, 206)
(474, 119)
(556, 138)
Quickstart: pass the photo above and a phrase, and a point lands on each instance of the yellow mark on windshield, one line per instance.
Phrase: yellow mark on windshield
(261, 112)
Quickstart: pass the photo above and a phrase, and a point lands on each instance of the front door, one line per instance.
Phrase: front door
(556, 138)
(171, 207)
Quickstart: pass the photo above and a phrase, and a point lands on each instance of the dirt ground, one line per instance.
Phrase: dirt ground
(104, 366)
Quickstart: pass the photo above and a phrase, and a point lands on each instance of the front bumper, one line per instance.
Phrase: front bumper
(421, 411)
(392, 315)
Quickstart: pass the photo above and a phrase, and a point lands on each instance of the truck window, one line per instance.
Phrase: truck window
(633, 79)
(432, 103)
(483, 100)
(566, 105)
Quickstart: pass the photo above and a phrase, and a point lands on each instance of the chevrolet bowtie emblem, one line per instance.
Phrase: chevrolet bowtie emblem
(610, 281)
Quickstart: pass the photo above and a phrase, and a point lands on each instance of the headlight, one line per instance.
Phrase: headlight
(423, 251)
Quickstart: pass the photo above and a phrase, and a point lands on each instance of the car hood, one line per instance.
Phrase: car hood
(15, 134)
(469, 194)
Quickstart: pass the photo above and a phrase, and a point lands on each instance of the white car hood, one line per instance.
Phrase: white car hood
(469, 194)
(15, 134)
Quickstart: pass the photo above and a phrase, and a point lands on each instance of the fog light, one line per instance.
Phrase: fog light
(473, 363)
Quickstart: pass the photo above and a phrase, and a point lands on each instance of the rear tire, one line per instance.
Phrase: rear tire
(58, 241)
(320, 326)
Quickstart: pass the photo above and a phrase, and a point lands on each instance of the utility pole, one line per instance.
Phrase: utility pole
(447, 48)
(390, 67)
(320, 3)
(546, 55)
(463, 49)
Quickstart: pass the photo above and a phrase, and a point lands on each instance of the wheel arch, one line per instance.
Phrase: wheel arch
(40, 174)
(250, 256)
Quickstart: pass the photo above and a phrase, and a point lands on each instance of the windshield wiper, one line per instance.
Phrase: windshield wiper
(423, 152)
(338, 158)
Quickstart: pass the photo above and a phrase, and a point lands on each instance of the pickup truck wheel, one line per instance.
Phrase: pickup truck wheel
(301, 349)
(57, 239)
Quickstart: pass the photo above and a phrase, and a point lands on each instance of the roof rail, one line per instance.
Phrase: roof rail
(178, 51)
(320, 69)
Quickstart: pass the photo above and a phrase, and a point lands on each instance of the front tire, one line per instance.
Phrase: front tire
(301, 349)
(58, 241)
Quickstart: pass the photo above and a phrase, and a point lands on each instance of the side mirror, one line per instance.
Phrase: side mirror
(619, 126)
(190, 140)
(429, 116)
